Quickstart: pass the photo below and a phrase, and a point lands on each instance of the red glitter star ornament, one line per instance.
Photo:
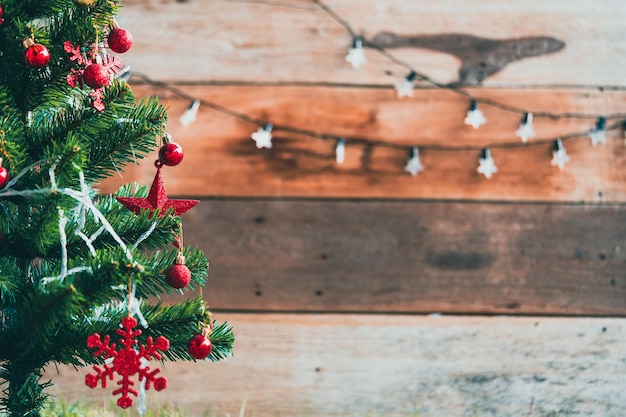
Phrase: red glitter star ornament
(127, 361)
(157, 199)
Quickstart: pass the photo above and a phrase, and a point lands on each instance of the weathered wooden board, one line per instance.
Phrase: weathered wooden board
(392, 366)
(222, 160)
(295, 41)
(412, 256)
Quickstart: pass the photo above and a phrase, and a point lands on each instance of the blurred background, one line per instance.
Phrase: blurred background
(372, 260)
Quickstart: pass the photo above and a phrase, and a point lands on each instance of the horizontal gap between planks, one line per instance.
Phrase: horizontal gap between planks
(418, 86)
(433, 315)
(406, 200)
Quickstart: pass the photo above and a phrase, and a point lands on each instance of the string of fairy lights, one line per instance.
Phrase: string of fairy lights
(600, 125)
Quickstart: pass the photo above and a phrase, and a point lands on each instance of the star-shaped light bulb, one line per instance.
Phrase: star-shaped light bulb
(475, 117)
(414, 165)
(263, 137)
(405, 87)
(356, 54)
(559, 155)
(526, 129)
(598, 133)
(340, 151)
(486, 166)
(189, 116)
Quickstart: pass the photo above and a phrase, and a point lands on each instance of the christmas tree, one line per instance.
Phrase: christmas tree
(75, 265)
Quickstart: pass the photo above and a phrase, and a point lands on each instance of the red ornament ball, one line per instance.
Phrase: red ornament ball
(178, 276)
(120, 40)
(37, 56)
(96, 76)
(4, 177)
(199, 347)
(171, 154)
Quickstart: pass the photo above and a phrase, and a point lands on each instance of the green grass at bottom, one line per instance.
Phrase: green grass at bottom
(63, 408)
(60, 407)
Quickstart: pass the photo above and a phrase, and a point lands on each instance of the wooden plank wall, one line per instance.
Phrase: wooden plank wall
(326, 269)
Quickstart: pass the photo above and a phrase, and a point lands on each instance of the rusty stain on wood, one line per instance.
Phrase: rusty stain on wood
(480, 57)
(449, 260)
(411, 256)
(322, 365)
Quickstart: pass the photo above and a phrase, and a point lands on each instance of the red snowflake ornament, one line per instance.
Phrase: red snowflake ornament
(157, 199)
(112, 63)
(126, 361)
(91, 69)
(74, 78)
(74, 52)
(97, 102)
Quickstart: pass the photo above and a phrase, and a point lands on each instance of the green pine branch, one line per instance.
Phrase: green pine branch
(24, 394)
(9, 288)
(153, 279)
(177, 322)
(131, 132)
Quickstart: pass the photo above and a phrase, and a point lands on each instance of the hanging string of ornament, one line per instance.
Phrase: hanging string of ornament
(170, 154)
(127, 358)
(178, 275)
(405, 88)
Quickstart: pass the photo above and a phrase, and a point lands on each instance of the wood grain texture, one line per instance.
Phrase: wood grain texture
(400, 366)
(222, 160)
(407, 256)
(293, 40)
